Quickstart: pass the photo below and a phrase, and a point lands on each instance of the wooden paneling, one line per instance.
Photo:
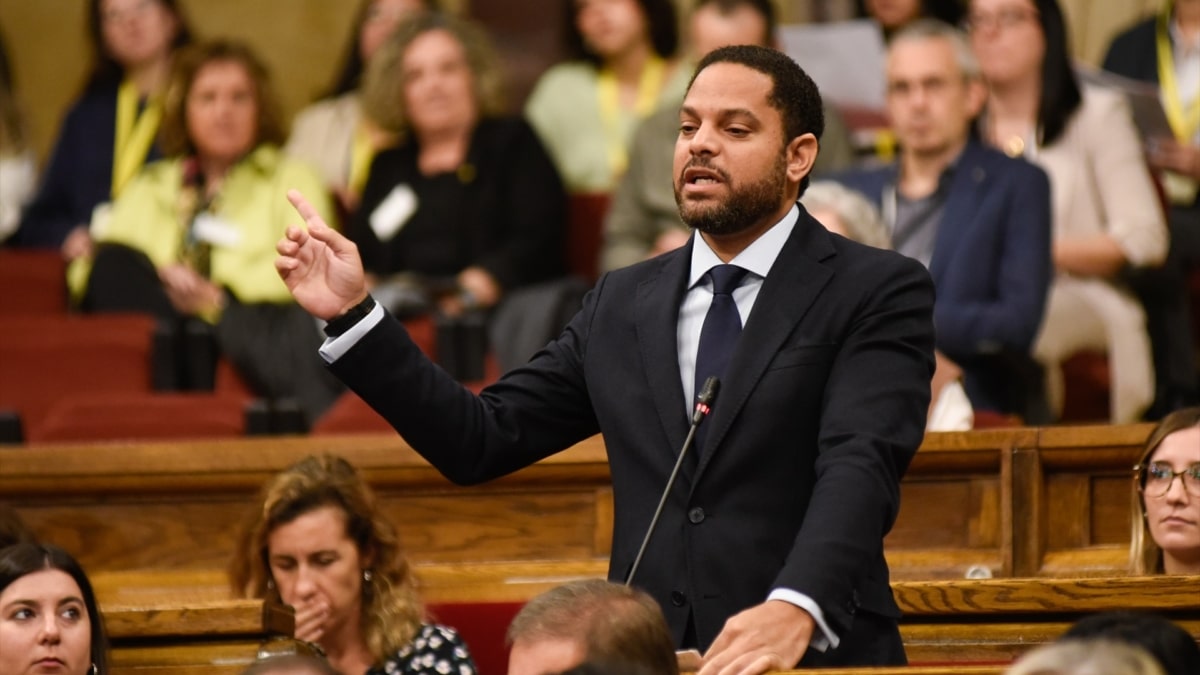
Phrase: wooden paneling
(1017, 502)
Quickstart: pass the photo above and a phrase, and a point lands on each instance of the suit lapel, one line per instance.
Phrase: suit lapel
(794, 282)
(962, 203)
(657, 343)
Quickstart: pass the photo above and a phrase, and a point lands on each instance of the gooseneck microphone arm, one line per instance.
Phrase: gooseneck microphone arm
(704, 403)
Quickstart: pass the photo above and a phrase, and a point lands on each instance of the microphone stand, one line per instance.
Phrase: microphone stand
(703, 406)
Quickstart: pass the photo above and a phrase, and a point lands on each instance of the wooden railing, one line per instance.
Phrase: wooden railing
(1007, 502)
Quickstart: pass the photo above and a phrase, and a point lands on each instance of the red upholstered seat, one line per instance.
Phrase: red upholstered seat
(44, 359)
(585, 233)
(141, 416)
(1086, 384)
(482, 626)
(34, 282)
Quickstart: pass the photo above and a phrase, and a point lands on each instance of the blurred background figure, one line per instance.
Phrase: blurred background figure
(193, 237)
(1106, 213)
(17, 170)
(50, 612)
(622, 69)
(978, 220)
(1171, 646)
(319, 542)
(1166, 498)
(1086, 657)
(469, 207)
(591, 621)
(643, 219)
(333, 134)
(109, 133)
(1165, 50)
(892, 15)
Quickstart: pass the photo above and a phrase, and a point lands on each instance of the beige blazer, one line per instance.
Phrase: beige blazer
(323, 137)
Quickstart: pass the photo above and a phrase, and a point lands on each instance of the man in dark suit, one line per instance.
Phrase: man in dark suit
(979, 220)
(771, 541)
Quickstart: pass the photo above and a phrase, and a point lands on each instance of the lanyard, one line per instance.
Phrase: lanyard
(649, 85)
(134, 134)
(1185, 121)
(362, 152)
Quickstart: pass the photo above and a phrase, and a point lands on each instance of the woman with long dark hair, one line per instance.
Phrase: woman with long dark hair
(1107, 215)
(110, 131)
(621, 68)
(49, 619)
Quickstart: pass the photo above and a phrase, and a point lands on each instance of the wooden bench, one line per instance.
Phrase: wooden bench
(1009, 502)
(192, 637)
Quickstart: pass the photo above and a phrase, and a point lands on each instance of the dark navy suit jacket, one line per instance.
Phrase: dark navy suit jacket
(991, 263)
(79, 175)
(821, 410)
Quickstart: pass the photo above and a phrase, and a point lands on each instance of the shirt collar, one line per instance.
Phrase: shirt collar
(1178, 42)
(757, 257)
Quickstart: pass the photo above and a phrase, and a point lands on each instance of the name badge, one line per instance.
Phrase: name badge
(394, 212)
(217, 231)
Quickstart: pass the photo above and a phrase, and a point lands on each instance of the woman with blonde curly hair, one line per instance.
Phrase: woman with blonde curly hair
(319, 543)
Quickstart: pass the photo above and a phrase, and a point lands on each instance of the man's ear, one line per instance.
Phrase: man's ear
(801, 155)
(977, 95)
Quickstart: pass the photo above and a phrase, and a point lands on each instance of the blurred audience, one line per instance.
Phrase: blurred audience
(109, 132)
(319, 542)
(893, 15)
(1107, 215)
(594, 621)
(193, 236)
(1171, 646)
(1165, 50)
(980, 221)
(622, 69)
(49, 619)
(1166, 498)
(643, 219)
(333, 134)
(469, 207)
(17, 170)
(1086, 657)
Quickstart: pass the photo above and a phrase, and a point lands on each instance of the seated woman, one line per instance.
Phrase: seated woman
(333, 135)
(319, 542)
(622, 68)
(1166, 498)
(194, 236)
(1106, 214)
(48, 611)
(470, 206)
(109, 132)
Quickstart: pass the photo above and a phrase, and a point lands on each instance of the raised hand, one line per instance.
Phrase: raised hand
(321, 268)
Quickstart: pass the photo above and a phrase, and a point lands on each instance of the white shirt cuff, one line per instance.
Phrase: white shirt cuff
(334, 348)
(821, 642)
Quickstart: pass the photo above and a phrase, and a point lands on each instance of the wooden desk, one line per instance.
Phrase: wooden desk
(187, 636)
(1010, 502)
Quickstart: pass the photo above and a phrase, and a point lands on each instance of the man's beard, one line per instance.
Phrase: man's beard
(744, 208)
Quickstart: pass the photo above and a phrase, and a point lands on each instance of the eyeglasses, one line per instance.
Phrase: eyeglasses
(1005, 18)
(1155, 479)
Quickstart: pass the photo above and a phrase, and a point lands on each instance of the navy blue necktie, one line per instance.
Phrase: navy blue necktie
(722, 326)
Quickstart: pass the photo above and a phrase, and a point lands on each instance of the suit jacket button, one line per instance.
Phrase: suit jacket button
(678, 598)
(696, 515)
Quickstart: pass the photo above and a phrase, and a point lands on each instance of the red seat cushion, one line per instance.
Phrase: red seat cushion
(483, 626)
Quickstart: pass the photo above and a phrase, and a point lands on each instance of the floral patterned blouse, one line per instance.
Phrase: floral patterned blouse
(435, 650)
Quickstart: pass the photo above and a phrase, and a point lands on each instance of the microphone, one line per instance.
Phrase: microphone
(704, 403)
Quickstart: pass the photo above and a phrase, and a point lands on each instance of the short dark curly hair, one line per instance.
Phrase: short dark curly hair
(793, 92)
